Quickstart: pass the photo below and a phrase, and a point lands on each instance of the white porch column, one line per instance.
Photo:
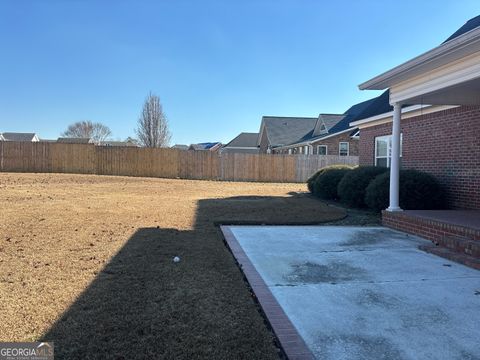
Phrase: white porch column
(395, 160)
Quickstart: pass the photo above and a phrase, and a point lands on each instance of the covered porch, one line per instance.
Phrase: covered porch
(448, 75)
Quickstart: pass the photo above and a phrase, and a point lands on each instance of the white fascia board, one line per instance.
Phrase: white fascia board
(450, 51)
(409, 112)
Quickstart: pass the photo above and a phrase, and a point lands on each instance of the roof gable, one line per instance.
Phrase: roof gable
(12, 136)
(287, 130)
(326, 122)
(244, 139)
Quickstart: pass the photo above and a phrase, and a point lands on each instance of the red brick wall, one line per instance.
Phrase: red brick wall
(429, 229)
(445, 144)
(333, 144)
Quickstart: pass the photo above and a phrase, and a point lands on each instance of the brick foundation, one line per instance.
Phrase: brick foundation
(433, 230)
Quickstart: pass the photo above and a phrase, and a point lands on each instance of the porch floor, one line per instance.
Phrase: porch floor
(465, 218)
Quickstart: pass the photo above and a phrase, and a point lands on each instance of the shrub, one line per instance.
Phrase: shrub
(325, 187)
(311, 179)
(418, 190)
(351, 189)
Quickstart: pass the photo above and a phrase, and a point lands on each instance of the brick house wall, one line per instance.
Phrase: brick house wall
(445, 144)
(332, 144)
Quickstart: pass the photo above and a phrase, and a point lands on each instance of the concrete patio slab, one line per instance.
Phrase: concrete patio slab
(367, 293)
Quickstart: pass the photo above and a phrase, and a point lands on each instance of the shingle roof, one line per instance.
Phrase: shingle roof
(330, 120)
(204, 146)
(353, 113)
(287, 130)
(377, 106)
(117, 143)
(12, 136)
(244, 139)
(180, 147)
(74, 140)
(469, 25)
(297, 130)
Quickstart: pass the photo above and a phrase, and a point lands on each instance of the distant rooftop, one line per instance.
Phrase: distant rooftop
(204, 146)
(244, 139)
(180, 147)
(14, 136)
(74, 140)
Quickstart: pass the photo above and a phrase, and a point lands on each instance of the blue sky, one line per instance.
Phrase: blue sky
(218, 66)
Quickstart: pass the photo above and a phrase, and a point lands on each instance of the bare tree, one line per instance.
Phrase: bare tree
(152, 129)
(87, 129)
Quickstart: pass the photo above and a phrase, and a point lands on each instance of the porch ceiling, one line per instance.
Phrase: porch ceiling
(467, 93)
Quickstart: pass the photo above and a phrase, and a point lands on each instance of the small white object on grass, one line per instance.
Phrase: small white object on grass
(176, 259)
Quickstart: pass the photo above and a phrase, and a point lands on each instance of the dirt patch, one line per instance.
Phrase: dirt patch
(86, 261)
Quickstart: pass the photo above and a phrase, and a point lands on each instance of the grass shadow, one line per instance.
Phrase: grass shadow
(143, 305)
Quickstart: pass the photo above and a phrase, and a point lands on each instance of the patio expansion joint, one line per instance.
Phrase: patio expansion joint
(375, 282)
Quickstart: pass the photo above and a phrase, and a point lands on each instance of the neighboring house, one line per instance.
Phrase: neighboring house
(431, 118)
(245, 143)
(12, 136)
(117, 143)
(73, 140)
(327, 134)
(180, 147)
(208, 146)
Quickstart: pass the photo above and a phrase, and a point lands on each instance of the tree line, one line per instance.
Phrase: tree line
(152, 127)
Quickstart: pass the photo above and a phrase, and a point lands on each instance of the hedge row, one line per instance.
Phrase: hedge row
(368, 186)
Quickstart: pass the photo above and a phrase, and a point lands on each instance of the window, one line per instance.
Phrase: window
(289, 151)
(343, 148)
(306, 149)
(383, 150)
(322, 149)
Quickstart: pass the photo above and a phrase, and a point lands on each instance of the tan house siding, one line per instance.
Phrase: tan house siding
(264, 142)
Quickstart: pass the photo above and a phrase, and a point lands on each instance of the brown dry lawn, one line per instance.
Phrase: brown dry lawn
(86, 262)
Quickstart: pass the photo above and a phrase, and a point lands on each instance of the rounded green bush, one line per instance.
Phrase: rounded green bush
(352, 187)
(311, 180)
(325, 187)
(418, 190)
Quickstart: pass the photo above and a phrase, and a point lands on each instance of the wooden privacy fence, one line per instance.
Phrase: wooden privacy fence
(165, 163)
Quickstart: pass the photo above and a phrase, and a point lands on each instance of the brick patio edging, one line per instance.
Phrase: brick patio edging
(288, 337)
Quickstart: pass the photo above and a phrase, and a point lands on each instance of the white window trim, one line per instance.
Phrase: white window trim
(389, 149)
(326, 149)
(348, 147)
